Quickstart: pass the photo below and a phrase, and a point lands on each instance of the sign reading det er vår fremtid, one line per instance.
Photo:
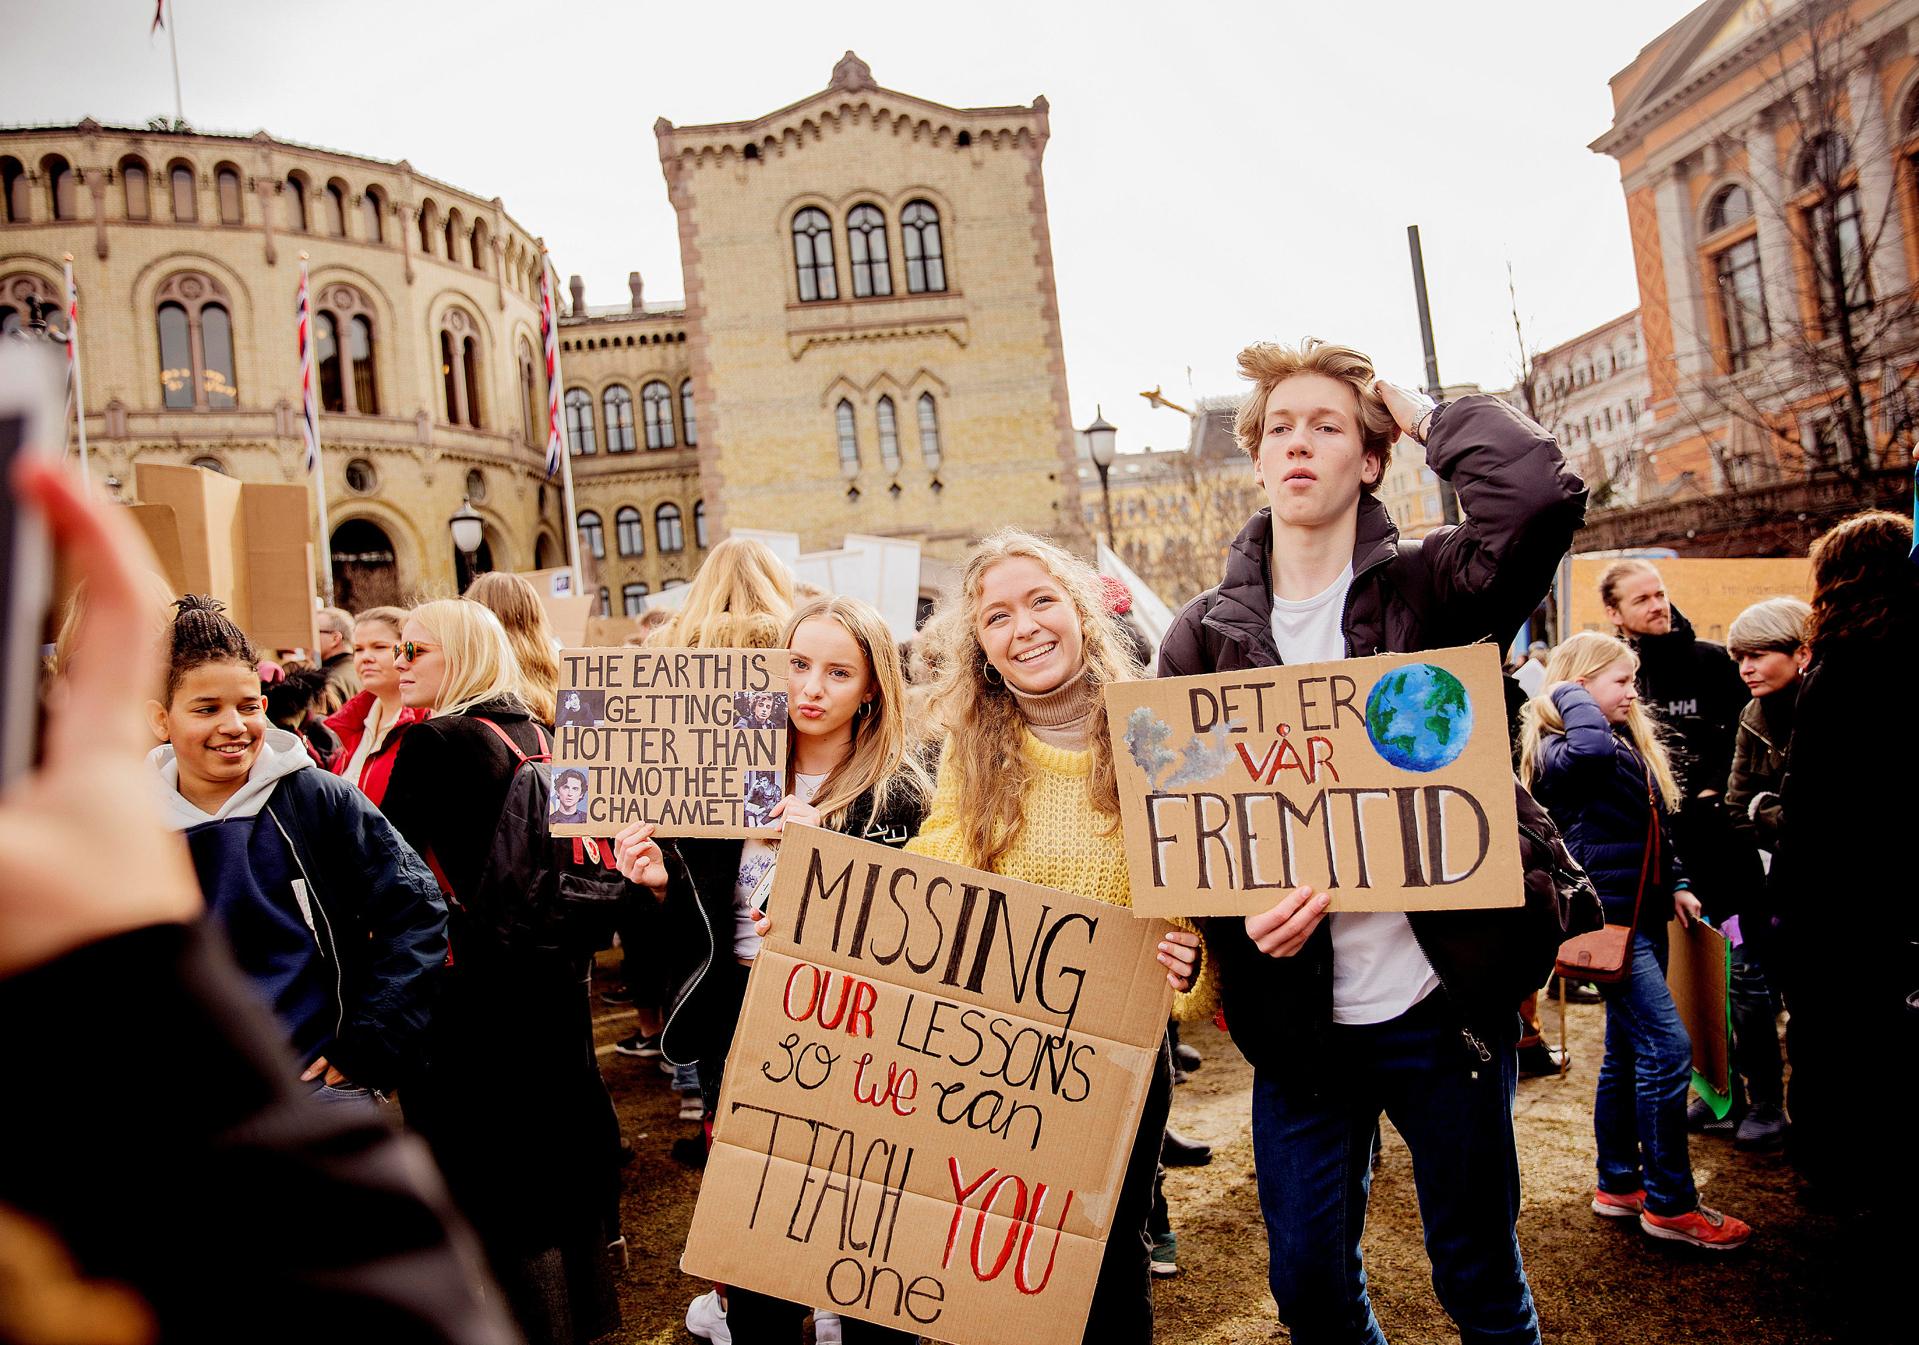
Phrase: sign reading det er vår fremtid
(1384, 782)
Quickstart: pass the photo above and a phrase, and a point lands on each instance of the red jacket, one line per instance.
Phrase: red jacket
(349, 722)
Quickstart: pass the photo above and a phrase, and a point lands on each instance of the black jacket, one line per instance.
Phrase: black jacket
(1476, 581)
(1692, 686)
(698, 907)
(1759, 764)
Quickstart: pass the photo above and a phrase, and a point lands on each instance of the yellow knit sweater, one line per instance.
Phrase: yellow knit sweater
(1062, 844)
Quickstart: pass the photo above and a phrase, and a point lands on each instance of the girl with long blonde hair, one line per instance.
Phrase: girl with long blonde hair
(739, 600)
(514, 600)
(1592, 756)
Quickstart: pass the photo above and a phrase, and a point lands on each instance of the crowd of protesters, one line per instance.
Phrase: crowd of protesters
(362, 914)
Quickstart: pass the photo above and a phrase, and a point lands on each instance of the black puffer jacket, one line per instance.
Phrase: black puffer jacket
(1693, 687)
(1759, 764)
(1476, 581)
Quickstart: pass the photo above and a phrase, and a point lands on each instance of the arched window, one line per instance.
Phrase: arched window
(920, 241)
(630, 531)
(1732, 206)
(461, 368)
(475, 403)
(529, 399)
(15, 204)
(60, 195)
(478, 245)
(196, 344)
(579, 423)
(359, 349)
(227, 181)
(186, 209)
(455, 230)
(632, 598)
(666, 527)
(353, 384)
(813, 255)
(616, 404)
(450, 377)
(336, 209)
(699, 524)
(657, 402)
(1743, 325)
(889, 436)
(849, 439)
(134, 191)
(372, 215)
(866, 252)
(929, 432)
(592, 534)
(326, 358)
(296, 203)
(429, 226)
(686, 413)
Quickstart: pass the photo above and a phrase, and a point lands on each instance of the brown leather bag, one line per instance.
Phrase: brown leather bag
(1605, 955)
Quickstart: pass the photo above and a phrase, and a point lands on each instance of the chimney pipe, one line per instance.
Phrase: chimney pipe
(578, 287)
(635, 288)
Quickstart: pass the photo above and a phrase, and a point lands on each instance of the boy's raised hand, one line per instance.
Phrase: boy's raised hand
(1412, 410)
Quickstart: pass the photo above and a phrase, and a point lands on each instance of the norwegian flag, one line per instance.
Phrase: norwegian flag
(550, 337)
(309, 413)
(73, 331)
(159, 17)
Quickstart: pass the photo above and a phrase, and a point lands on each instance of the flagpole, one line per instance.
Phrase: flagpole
(310, 424)
(73, 363)
(179, 110)
(558, 454)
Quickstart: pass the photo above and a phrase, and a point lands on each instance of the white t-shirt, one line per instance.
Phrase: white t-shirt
(756, 857)
(1379, 971)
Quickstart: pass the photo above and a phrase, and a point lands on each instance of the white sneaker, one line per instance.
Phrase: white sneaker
(826, 1327)
(706, 1319)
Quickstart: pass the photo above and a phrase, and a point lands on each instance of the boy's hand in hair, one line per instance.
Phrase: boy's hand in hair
(1411, 410)
(1283, 931)
(61, 888)
(638, 858)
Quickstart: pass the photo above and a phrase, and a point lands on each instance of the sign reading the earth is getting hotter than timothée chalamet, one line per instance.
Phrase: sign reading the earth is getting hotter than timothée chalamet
(1384, 782)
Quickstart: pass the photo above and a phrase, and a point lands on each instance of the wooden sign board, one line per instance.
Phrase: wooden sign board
(931, 1097)
(693, 740)
(1710, 592)
(1384, 782)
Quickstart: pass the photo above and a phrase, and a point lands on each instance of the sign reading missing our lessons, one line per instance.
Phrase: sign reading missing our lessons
(1385, 782)
(691, 739)
(931, 1097)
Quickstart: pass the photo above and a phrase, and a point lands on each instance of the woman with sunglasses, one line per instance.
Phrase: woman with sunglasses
(513, 1107)
(370, 723)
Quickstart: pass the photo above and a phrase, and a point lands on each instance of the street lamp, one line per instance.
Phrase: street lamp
(468, 534)
(1101, 440)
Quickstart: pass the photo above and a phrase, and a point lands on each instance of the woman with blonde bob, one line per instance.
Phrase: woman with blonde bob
(1589, 752)
(1028, 789)
(514, 1107)
(739, 600)
(514, 600)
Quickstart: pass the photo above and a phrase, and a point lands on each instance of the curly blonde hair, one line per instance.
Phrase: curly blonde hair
(981, 717)
(1268, 364)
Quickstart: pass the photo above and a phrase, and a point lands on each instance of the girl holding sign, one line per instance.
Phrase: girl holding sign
(850, 769)
(1588, 749)
(1027, 789)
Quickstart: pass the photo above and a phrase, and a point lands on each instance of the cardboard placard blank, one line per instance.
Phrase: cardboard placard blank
(1697, 972)
(693, 740)
(931, 1097)
(1710, 592)
(1384, 782)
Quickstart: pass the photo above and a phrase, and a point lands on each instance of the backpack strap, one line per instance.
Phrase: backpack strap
(520, 758)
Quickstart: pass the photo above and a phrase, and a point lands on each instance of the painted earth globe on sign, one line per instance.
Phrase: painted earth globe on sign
(1419, 717)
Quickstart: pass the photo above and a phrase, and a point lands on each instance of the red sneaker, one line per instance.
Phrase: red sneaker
(1702, 1227)
(1620, 1205)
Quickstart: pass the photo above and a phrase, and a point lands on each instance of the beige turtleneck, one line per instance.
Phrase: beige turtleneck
(1060, 717)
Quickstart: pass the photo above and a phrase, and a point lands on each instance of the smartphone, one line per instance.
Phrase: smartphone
(30, 417)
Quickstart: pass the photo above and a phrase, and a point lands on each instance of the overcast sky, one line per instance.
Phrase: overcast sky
(1218, 173)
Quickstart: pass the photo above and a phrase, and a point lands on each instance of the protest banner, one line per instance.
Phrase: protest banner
(567, 612)
(931, 1097)
(1709, 591)
(693, 740)
(1699, 975)
(1384, 782)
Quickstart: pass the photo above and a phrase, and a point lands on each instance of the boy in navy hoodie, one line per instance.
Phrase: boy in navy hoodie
(338, 924)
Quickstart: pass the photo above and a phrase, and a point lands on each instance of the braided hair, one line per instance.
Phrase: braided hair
(200, 634)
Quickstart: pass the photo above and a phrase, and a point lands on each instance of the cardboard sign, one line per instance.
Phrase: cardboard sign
(603, 632)
(931, 1097)
(691, 739)
(1710, 592)
(1385, 782)
(1698, 973)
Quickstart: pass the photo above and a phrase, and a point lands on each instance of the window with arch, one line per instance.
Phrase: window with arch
(929, 432)
(429, 221)
(474, 389)
(207, 462)
(1743, 325)
(15, 292)
(921, 244)
(629, 531)
(592, 534)
(180, 188)
(227, 188)
(813, 255)
(579, 423)
(335, 202)
(866, 252)
(1833, 228)
(632, 598)
(889, 435)
(686, 413)
(344, 320)
(373, 215)
(15, 197)
(656, 401)
(478, 244)
(59, 177)
(849, 438)
(295, 192)
(529, 386)
(454, 230)
(195, 322)
(135, 192)
(461, 369)
(616, 403)
(667, 528)
(326, 359)
(699, 524)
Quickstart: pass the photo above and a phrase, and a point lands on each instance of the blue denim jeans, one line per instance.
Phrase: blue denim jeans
(1639, 1112)
(1451, 1101)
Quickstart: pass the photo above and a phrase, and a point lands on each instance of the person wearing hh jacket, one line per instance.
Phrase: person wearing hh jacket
(1416, 1015)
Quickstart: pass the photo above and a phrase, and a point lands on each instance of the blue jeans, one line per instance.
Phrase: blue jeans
(1639, 1112)
(1452, 1103)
